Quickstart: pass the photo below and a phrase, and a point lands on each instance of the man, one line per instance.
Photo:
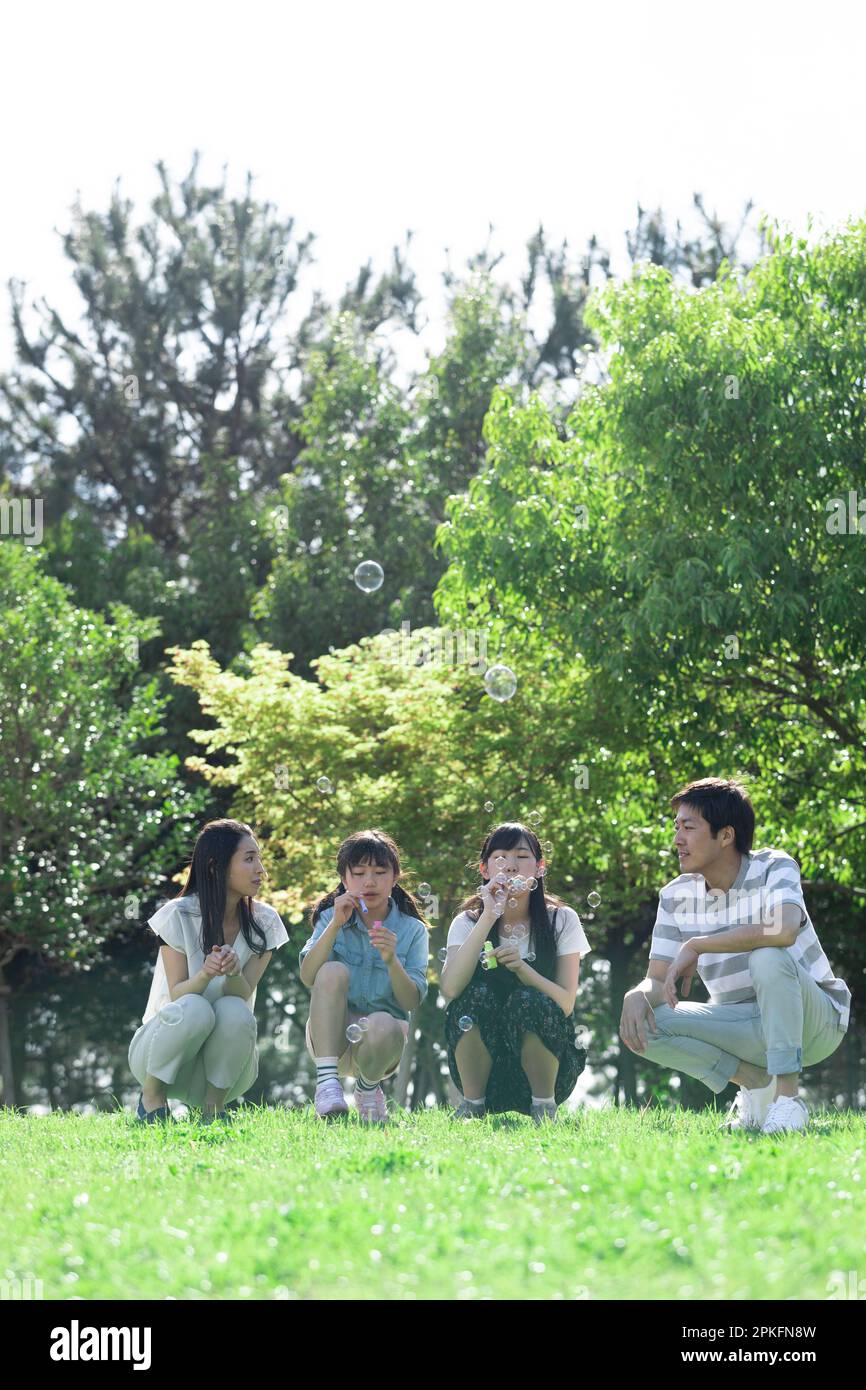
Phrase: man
(737, 917)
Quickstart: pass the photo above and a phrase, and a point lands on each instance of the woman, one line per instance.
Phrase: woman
(197, 1042)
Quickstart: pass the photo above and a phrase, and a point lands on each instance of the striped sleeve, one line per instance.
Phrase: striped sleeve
(782, 885)
(666, 937)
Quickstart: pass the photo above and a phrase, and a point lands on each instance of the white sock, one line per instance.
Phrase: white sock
(326, 1067)
(475, 1102)
(543, 1100)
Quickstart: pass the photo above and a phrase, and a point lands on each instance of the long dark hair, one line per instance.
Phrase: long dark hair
(381, 849)
(542, 932)
(206, 878)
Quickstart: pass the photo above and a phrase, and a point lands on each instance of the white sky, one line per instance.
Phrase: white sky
(363, 120)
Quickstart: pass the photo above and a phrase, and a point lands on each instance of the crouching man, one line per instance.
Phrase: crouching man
(736, 916)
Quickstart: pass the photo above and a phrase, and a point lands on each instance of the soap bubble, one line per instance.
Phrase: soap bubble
(500, 682)
(594, 899)
(171, 1014)
(519, 931)
(534, 817)
(547, 847)
(531, 883)
(442, 953)
(464, 1024)
(324, 784)
(363, 1024)
(512, 902)
(424, 890)
(369, 576)
(354, 1033)
(488, 805)
(530, 956)
(485, 963)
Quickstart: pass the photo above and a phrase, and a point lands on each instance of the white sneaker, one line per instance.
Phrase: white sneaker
(788, 1112)
(749, 1107)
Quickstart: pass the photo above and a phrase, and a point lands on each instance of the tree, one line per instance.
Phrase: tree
(91, 821)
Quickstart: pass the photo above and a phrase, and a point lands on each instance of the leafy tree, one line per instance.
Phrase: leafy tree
(91, 820)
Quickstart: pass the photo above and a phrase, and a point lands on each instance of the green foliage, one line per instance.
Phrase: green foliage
(88, 814)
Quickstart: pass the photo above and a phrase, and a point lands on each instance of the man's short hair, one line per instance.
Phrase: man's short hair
(722, 802)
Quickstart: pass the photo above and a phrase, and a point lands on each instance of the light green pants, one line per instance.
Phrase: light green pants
(791, 1024)
(191, 1042)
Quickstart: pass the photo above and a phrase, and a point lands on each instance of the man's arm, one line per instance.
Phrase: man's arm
(781, 931)
(652, 987)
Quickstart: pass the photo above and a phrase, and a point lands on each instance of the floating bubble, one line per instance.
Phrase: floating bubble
(363, 1024)
(547, 847)
(324, 784)
(171, 1014)
(530, 956)
(354, 1033)
(488, 805)
(519, 931)
(512, 902)
(594, 899)
(424, 890)
(442, 953)
(531, 883)
(534, 817)
(500, 682)
(369, 576)
(464, 1024)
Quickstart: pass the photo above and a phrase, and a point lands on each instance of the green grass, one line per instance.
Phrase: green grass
(606, 1205)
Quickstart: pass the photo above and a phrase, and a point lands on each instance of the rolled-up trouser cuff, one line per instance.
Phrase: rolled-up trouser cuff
(781, 1061)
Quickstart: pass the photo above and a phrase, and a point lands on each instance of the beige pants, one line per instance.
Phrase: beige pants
(213, 1043)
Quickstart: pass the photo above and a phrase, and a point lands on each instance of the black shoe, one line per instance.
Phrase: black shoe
(151, 1117)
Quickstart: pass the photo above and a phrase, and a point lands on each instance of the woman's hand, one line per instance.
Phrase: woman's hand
(509, 956)
(344, 906)
(213, 963)
(684, 966)
(385, 942)
(231, 964)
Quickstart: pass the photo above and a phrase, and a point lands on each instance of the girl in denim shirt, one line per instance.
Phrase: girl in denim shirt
(366, 964)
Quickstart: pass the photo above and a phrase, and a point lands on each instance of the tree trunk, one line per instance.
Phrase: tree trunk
(404, 1071)
(6, 1071)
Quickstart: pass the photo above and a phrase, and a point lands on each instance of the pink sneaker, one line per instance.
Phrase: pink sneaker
(330, 1100)
(370, 1106)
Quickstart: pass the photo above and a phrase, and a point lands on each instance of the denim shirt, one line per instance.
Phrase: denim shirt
(369, 982)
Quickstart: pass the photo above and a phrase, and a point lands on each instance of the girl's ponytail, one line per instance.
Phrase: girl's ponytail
(408, 904)
(327, 901)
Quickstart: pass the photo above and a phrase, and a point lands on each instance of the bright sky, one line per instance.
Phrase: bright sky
(365, 119)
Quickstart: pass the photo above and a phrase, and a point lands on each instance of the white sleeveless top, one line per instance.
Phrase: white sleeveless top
(178, 923)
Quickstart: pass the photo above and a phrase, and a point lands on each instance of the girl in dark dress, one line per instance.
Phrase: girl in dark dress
(510, 1028)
